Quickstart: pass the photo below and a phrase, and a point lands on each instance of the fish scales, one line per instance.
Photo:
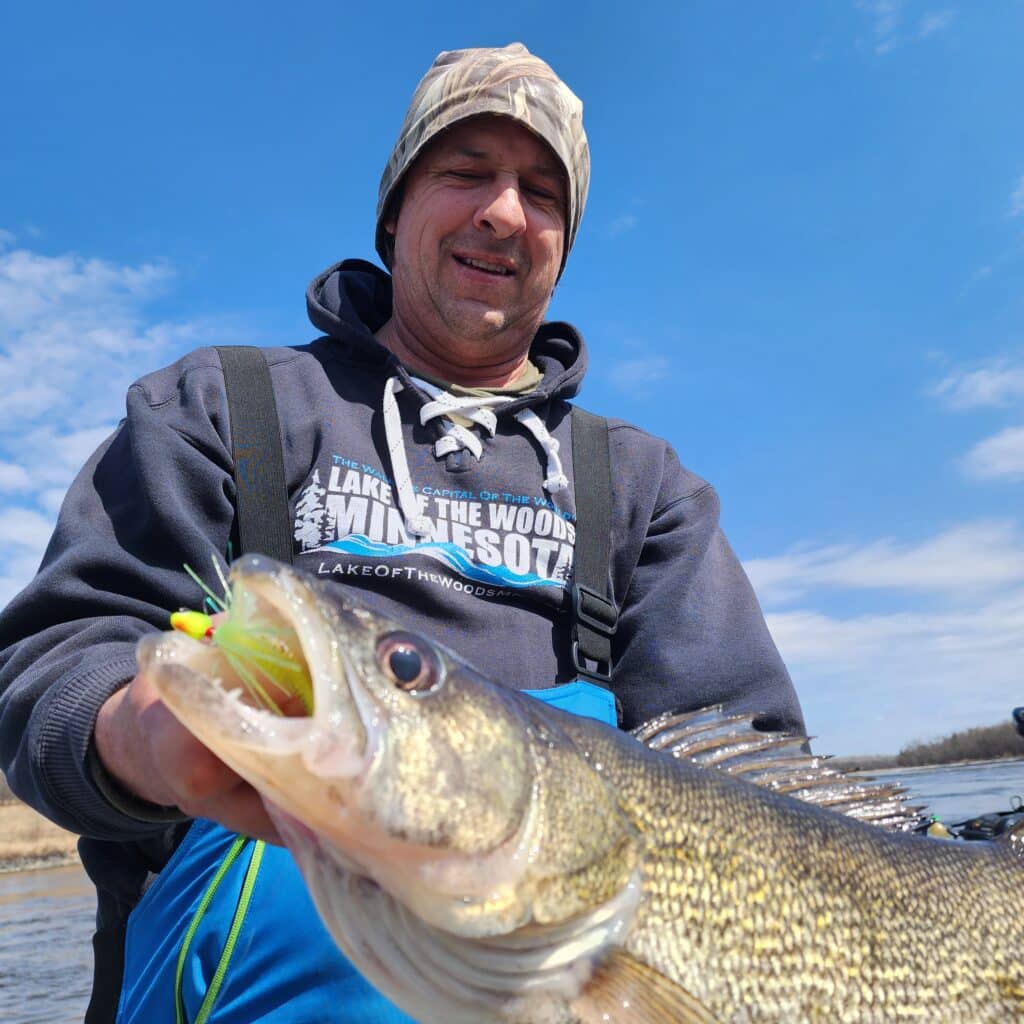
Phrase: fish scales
(798, 914)
(484, 857)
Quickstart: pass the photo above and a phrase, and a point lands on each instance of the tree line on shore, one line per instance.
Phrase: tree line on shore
(984, 743)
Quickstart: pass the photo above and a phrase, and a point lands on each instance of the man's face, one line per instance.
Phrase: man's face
(479, 236)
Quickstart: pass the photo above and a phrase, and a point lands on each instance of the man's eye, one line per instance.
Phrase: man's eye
(541, 194)
(465, 175)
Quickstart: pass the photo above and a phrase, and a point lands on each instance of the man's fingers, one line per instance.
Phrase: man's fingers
(203, 786)
(190, 770)
(240, 810)
(154, 756)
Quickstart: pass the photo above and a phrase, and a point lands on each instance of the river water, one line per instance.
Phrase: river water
(46, 924)
(958, 792)
(46, 917)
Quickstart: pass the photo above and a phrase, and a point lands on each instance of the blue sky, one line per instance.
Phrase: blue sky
(801, 262)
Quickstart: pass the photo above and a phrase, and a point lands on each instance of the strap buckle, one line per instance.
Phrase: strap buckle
(596, 619)
(594, 610)
(596, 670)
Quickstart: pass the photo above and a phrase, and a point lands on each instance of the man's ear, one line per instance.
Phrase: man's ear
(390, 221)
(389, 242)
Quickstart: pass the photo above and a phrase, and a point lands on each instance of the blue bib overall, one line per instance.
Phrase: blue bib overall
(252, 948)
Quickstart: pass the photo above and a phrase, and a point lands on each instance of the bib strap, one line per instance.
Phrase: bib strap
(241, 909)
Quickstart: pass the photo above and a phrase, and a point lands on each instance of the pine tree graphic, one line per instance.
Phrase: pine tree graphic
(330, 526)
(309, 514)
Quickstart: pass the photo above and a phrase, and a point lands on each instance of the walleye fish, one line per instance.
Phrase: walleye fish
(481, 856)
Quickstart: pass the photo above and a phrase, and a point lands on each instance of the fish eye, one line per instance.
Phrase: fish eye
(407, 663)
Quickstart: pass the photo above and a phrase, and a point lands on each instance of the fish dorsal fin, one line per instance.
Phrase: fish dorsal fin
(622, 990)
(780, 762)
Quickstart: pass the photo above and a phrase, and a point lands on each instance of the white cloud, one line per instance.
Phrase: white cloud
(934, 22)
(24, 527)
(24, 401)
(946, 657)
(638, 376)
(811, 637)
(50, 499)
(24, 533)
(888, 18)
(73, 336)
(874, 683)
(19, 567)
(979, 275)
(14, 478)
(619, 226)
(59, 293)
(997, 383)
(885, 12)
(1000, 383)
(1017, 199)
(1000, 457)
(78, 445)
(886, 15)
(974, 556)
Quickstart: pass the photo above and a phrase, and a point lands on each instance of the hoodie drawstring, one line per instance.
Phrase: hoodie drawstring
(478, 410)
(416, 523)
(556, 479)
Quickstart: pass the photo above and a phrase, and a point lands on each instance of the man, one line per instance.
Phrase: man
(426, 441)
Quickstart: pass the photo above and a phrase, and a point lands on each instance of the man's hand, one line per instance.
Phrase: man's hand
(152, 755)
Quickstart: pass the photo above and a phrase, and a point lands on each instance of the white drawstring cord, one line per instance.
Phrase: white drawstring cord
(556, 479)
(473, 409)
(415, 522)
(456, 438)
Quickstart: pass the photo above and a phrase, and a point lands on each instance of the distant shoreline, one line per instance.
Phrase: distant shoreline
(910, 769)
(29, 841)
(10, 865)
(885, 763)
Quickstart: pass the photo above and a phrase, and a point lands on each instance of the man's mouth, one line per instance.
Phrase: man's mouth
(499, 269)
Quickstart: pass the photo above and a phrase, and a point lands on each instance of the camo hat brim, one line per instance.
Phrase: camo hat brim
(508, 81)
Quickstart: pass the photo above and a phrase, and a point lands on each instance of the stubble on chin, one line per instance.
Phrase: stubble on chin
(472, 321)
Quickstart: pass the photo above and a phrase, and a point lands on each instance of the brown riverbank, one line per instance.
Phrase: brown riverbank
(888, 762)
(28, 840)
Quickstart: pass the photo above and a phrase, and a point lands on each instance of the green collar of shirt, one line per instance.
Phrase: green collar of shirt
(526, 382)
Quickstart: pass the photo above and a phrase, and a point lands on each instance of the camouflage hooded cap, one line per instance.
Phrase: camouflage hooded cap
(508, 81)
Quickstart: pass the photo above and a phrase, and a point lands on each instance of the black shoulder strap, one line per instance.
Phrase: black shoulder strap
(594, 614)
(262, 517)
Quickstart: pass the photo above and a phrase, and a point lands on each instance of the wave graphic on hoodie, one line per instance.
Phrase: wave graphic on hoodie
(448, 554)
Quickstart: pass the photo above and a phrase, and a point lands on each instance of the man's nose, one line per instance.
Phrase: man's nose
(502, 212)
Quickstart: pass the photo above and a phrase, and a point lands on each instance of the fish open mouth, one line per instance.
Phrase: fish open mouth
(253, 652)
(261, 653)
(265, 685)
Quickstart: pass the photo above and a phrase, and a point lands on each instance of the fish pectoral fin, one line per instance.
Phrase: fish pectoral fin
(622, 990)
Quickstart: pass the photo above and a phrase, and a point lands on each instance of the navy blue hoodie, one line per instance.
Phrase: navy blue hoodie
(489, 578)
